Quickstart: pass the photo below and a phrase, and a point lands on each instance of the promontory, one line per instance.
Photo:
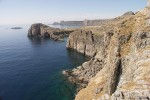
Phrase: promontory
(119, 68)
(119, 51)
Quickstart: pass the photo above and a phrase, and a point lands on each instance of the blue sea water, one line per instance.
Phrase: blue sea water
(30, 69)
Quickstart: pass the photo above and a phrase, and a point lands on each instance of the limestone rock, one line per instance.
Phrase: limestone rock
(120, 59)
(41, 30)
(35, 29)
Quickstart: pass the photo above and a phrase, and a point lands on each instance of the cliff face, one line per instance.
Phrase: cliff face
(85, 42)
(120, 59)
(48, 32)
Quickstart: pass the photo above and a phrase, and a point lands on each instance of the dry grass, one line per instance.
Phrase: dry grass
(147, 79)
(131, 24)
(125, 49)
(146, 64)
(128, 86)
(100, 94)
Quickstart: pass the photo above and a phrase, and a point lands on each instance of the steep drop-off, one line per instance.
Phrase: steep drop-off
(41, 30)
(120, 59)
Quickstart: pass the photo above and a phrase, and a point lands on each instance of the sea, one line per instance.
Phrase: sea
(31, 68)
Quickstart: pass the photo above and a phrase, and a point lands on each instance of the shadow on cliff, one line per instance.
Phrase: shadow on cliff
(118, 76)
(75, 56)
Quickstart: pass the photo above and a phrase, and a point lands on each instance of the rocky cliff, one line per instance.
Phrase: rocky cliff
(41, 30)
(120, 59)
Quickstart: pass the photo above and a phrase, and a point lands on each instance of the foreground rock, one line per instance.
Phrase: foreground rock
(41, 30)
(120, 59)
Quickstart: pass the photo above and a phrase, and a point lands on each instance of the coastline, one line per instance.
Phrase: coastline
(110, 67)
(109, 47)
(33, 66)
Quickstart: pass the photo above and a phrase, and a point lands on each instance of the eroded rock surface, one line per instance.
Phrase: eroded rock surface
(41, 30)
(120, 59)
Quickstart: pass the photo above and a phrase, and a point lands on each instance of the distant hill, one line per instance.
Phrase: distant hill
(70, 23)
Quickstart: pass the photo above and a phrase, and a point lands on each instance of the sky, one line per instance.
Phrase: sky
(48, 11)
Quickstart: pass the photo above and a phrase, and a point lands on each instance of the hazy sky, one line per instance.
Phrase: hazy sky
(48, 11)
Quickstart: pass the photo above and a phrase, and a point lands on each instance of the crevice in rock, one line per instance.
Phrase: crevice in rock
(94, 54)
(84, 50)
(114, 78)
(92, 36)
(118, 75)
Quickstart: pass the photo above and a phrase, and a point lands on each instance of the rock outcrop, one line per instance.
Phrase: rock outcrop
(120, 59)
(128, 13)
(41, 30)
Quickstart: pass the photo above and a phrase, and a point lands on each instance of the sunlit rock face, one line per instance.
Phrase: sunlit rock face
(45, 31)
(120, 59)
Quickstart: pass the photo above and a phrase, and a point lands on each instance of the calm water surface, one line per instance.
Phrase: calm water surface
(30, 69)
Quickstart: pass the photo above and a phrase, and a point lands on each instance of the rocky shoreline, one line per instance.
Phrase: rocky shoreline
(119, 65)
(41, 30)
(119, 51)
